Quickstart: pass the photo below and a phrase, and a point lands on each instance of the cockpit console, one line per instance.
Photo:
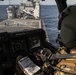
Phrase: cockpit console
(13, 44)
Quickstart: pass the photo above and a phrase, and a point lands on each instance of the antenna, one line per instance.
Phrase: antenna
(9, 2)
(21, 1)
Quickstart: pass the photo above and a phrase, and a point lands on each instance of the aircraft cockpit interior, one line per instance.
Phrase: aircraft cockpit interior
(21, 43)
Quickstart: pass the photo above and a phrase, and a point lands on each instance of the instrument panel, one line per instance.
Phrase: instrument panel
(22, 42)
(13, 44)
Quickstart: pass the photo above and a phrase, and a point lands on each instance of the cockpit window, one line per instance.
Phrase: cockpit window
(71, 2)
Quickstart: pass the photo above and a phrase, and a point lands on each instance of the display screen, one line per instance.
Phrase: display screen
(18, 45)
(34, 41)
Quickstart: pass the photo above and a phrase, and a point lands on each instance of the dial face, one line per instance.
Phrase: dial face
(34, 41)
(18, 45)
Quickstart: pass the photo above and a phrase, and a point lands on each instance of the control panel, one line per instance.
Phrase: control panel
(13, 44)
